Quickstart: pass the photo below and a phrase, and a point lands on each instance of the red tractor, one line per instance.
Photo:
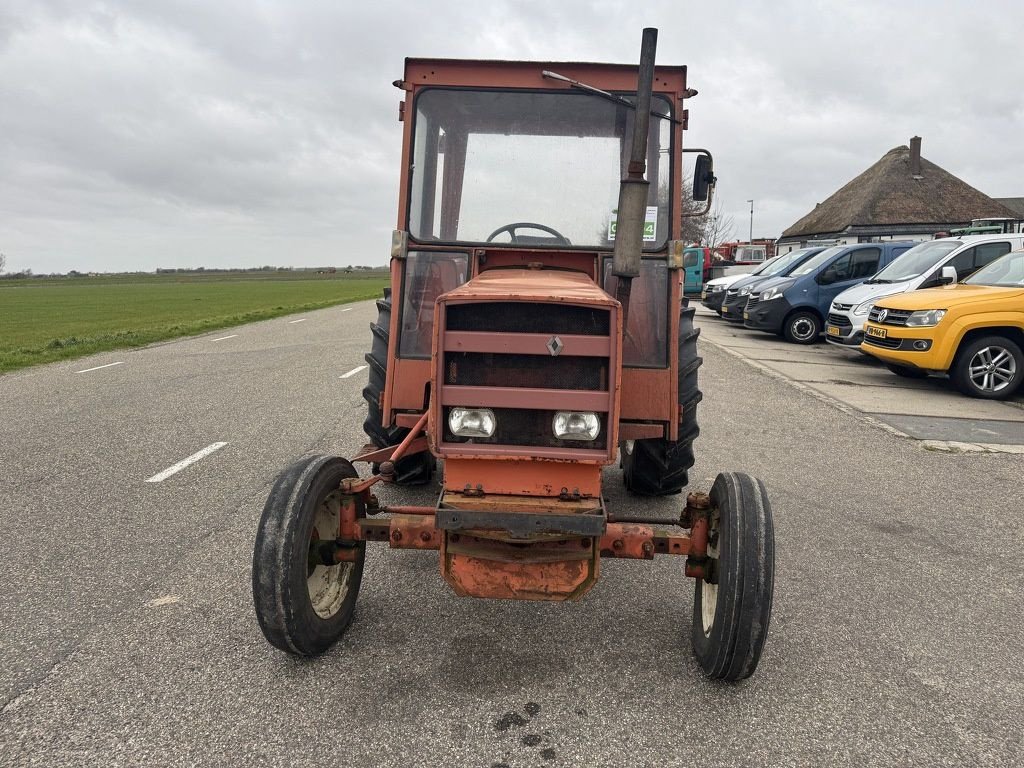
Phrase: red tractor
(535, 330)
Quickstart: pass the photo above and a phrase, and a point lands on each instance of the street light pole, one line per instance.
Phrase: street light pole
(751, 239)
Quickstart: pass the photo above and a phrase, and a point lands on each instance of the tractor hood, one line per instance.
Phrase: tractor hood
(545, 286)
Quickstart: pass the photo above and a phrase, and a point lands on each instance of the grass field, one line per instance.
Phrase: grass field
(42, 320)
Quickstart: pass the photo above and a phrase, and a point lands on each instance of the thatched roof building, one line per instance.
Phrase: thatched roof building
(902, 196)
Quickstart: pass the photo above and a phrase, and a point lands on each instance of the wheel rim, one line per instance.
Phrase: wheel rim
(328, 585)
(802, 328)
(992, 369)
(708, 591)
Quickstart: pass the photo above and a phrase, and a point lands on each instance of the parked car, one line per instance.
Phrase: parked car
(920, 267)
(696, 269)
(795, 306)
(714, 289)
(974, 330)
(736, 294)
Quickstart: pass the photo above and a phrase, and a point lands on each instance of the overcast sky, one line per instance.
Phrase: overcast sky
(225, 133)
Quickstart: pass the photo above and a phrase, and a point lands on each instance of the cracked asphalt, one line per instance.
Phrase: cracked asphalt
(128, 637)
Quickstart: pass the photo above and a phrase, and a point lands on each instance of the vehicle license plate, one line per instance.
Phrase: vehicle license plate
(832, 330)
(725, 310)
(878, 333)
(746, 315)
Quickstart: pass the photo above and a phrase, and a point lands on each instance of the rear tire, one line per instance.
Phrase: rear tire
(303, 606)
(659, 467)
(410, 470)
(731, 615)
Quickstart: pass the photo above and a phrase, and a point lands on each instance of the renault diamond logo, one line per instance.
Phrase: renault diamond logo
(555, 346)
(882, 315)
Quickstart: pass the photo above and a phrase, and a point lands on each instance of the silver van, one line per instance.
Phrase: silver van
(920, 267)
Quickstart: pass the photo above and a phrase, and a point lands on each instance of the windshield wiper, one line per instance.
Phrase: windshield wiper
(876, 281)
(603, 94)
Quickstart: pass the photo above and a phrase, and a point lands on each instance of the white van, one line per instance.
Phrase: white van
(920, 267)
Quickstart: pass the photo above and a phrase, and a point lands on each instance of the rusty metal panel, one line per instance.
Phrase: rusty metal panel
(647, 393)
(526, 343)
(522, 477)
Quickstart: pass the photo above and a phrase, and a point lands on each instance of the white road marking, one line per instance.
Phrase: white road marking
(161, 476)
(165, 600)
(353, 372)
(347, 309)
(293, 322)
(232, 336)
(108, 365)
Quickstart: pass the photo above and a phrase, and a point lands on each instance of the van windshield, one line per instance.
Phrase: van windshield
(917, 261)
(782, 263)
(812, 264)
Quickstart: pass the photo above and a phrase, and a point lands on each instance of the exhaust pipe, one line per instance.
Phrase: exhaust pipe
(633, 188)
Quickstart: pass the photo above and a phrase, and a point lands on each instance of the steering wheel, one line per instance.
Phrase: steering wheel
(511, 229)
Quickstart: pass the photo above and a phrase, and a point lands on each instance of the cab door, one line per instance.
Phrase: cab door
(693, 266)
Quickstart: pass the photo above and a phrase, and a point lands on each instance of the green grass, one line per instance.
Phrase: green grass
(43, 320)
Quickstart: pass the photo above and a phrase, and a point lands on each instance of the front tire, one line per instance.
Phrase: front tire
(731, 615)
(801, 328)
(302, 605)
(991, 368)
(660, 467)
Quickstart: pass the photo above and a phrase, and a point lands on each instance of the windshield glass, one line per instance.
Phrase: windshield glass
(1005, 272)
(486, 160)
(814, 262)
(915, 262)
(780, 264)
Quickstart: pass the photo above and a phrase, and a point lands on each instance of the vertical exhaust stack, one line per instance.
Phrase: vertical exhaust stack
(915, 157)
(633, 189)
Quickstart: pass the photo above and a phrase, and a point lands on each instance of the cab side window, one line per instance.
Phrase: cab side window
(985, 254)
(963, 263)
(864, 263)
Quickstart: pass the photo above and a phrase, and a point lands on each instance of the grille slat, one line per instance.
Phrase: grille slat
(886, 343)
(475, 369)
(892, 316)
(509, 317)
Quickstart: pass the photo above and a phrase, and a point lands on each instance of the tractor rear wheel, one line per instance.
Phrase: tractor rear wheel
(304, 603)
(731, 610)
(411, 470)
(659, 467)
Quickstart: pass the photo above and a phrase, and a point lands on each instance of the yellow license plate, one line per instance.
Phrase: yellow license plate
(832, 330)
(725, 310)
(878, 333)
(746, 315)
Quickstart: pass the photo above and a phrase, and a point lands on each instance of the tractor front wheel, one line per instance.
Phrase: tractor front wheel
(304, 604)
(732, 609)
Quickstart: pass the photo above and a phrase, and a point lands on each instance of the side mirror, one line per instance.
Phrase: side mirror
(949, 275)
(828, 276)
(703, 177)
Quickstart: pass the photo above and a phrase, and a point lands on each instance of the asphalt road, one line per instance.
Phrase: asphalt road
(128, 637)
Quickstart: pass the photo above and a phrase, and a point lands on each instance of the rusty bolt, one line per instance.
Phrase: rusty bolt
(617, 544)
(396, 535)
(424, 535)
(648, 548)
(698, 500)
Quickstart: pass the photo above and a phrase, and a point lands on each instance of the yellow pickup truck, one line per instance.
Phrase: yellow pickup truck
(974, 331)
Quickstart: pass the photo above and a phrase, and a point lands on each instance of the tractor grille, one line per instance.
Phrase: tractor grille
(510, 317)
(525, 362)
(892, 316)
(487, 369)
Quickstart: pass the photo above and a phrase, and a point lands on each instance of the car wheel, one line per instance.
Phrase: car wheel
(802, 328)
(991, 368)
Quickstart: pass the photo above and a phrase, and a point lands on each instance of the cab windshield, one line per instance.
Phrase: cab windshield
(1004, 272)
(915, 262)
(530, 168)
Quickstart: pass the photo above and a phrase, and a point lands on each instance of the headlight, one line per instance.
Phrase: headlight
(774, 293)
(863, 309)
(745, 292)
(472, 422)
(576, 425)
(925, 317)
